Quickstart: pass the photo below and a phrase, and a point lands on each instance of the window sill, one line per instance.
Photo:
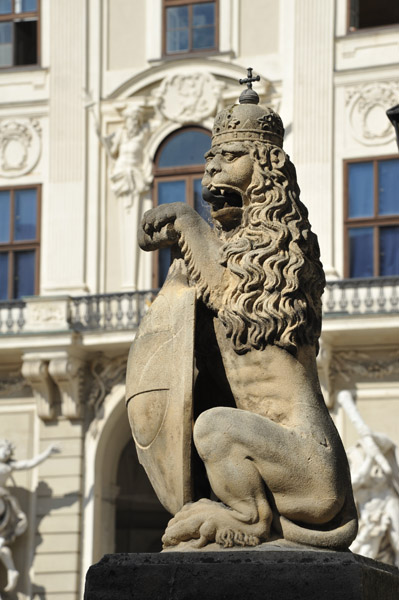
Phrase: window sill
(191, 55)
(22, 68)
(367, 31)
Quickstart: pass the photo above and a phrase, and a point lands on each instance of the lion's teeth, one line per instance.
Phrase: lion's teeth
(222, 192)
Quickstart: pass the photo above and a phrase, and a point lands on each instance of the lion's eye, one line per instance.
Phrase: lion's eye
(229, 156)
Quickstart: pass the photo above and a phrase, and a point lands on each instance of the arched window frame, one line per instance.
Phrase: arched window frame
(187, 173)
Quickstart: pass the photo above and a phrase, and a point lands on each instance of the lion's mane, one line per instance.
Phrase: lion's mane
(275, 256)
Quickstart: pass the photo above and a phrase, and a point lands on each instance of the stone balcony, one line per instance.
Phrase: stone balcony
(122, 311)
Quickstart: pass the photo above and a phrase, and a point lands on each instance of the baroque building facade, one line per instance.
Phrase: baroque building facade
(106, 108)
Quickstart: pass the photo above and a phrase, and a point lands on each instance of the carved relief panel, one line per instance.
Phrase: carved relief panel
(20, 146)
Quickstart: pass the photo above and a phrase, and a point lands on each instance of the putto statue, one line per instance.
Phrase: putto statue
(375, 479)
(243, 303)
(13, 522)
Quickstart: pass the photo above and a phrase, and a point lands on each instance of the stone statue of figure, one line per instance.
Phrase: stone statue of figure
(239, 447)
(375, 480)
(13, 522)
(130, 174)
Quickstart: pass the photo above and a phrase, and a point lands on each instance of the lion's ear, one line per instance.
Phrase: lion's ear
(277, 157)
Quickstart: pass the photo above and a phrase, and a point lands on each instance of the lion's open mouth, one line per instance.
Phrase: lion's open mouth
(226, 204)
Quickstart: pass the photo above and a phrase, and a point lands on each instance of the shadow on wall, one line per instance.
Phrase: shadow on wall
(23, 551)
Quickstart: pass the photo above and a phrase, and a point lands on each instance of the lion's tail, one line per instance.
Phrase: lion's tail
(338, 538)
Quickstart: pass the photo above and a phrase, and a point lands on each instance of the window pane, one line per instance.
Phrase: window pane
(361, 252)
(389, 251)
(5, 7)
(388, 187)
(377, 14)
(4, 216)
(171, 191)
(200, 205)
(3, 276)
(177, 17)
(25, 215)
(203, 14)
(24, 273)
(361, 190)
(5, 44)
(177, 41)
(187, 148)
(25, 6)
(25, 42)
(204, 37)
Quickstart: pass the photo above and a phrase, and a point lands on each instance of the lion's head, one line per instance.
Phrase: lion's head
(268, 244)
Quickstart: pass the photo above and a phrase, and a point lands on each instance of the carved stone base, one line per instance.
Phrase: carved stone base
(274, 574)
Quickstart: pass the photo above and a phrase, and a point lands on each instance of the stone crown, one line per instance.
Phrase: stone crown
(248, 122)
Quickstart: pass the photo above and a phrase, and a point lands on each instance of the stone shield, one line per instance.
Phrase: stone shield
(159, 390)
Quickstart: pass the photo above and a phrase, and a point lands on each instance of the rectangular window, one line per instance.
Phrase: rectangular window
(190, 26)
(19, 241)
(19, 33)
(364, 14)
(372, 217)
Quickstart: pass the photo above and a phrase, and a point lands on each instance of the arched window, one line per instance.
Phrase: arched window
(178, 170)
(140, 519)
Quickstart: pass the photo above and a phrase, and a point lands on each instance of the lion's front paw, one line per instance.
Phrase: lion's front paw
(205, 521)
(157, 228)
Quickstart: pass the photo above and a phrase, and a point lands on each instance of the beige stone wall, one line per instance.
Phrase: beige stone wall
(125, 26)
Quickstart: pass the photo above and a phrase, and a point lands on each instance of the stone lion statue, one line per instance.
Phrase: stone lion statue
(275, 467)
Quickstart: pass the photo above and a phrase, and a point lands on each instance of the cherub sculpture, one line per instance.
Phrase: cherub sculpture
(13, 522)
(251, 411)
(375, 480)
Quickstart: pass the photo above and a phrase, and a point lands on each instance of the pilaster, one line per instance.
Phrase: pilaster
(313, 118)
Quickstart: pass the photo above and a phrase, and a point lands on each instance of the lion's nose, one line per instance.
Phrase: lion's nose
(213, 166)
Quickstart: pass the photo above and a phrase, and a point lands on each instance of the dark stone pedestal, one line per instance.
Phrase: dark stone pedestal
(272, 575)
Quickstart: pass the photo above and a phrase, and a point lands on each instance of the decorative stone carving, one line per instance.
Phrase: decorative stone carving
(375, 479)
(12, 383)
(36, 373)
(106, 373)
(188, 98)
(50, 313)
(131, 172)
(20, 146)
(68, 373)
(13, 521)
(350, 363)
(245, 300)
(367, 106)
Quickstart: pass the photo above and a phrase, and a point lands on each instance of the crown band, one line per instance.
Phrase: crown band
(243, 135)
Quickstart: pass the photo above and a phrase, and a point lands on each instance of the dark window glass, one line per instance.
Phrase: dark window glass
(372, 220)
(177, 41)
(4, 216)
(373, 13)
(3, 276)
(28, 6)
(388, 187)
(389, 251)
(19, 241)
(25, 42)
(361, 252)
(19, 34)
(25, 215)
(186, 148)
(179, 167)
(24, 273)
(177, 17)
(203, 26)
(171, 191)
(190, 27)
(6, 44)
(5, 7)
(361, 190)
